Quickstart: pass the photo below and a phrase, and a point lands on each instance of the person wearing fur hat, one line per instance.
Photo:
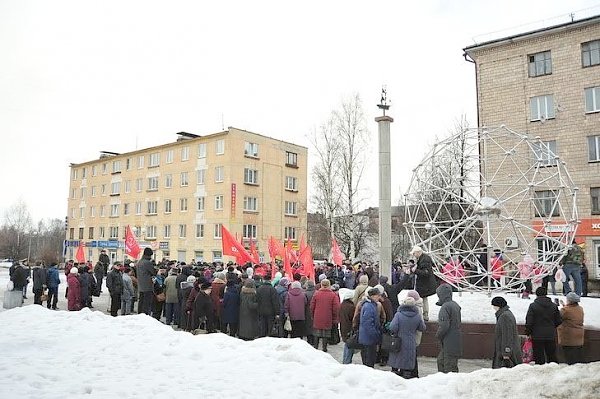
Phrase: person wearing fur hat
(346, 316)
(406, 323)
(571, 331)
(324, 306)
(230, 317)
(295, 304)
(507, 345)
(248, 329)
(449, 333)
(114, 283)
(203, 310)
(369, 328)
(541, 321)
(74, 292)
(425, 283)
(145, 271)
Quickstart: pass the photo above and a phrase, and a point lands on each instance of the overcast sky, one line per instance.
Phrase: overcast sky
(77, 77)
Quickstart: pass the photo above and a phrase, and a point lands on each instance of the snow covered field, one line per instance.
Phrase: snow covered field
(49, 354)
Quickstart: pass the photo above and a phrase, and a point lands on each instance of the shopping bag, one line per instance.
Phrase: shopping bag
(287, 326)
(527, 351)
(560, 276)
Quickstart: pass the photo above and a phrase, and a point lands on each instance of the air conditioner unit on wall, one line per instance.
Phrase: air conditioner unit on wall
(511, 243)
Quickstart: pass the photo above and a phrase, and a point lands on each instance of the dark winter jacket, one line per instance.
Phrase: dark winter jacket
(248, 328)
(325, 307)
(369, 329)
(542, 319)
(19, 277)
(74, 293)
(39, 277)
(449, 322)
(104, 259)
(114, 282)
(84, 286)
(281, 294)
(310, 292)
(387, 308)
(405, 324)
(145, 271)
(184, 317)
(295, 304)
(506, 339)
(182, 277)
(268, 300)
(346, 315)
(53, 279)
(349, 279)
(203, 311)
(231, 304)
(426, 284)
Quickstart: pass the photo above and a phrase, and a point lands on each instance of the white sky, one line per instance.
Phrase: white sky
(77, 77)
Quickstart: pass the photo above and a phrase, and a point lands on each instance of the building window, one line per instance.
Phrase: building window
(220, 147)
(81, 212)
(199, 256)
(83, 173)
(114, 232)
(128, 186)
(200, 204)
(289, 233)
(201, 174)
(128, 163)
(219, 174)
(546, 203)
(185, 153)
(139, 185)
(152, 184)
(94, 171)
(93, 191)
(102, 211)
(154, 160)
(182, 230)
(125, 209)
(592, 99)
(82, 194)
(71, 233)
(541, 108)
(140, 162)
(92, 211)
(218, 202)
(590, 53)
(199, 231)
(167, 231)
(291, 158)
(137, 230)
(114, 210)
(217, 230)
(104, 168)
(168, 181)
(102, 190)
(184, 179)
(183, 204)
(115, 188)
(291, 208)
(251, 204)
(152, 207)
(169, 156)
(202, 150)
(168, 206)
(249, 231)
(540, 64)
(594, 148)
(545, 153)
(291, 183)
(90, 233)
(251, 149)
(138, 208)
(250, 176)
(81, 233)
(74, 173)
(595, 197)
(217, 256)
(73, 193)
(151, 232)
(116, 167)
(102, 233)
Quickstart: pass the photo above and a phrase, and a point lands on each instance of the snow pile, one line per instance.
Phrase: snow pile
(48, 354)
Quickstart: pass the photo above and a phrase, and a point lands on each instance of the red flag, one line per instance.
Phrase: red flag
(273, 250)
(287, 259)
(254, 253)
(80, 255)
(336, 254)
(132, 247)
(307, 260)
(233, 248)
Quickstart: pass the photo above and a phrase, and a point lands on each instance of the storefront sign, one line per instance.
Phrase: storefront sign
(163, 245)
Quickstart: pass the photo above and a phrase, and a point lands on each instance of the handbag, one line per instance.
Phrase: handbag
(527, 351)
(352, 341)
(390, 343)
(160, 297)
(276, 330)
(43, 297)
(287, 326)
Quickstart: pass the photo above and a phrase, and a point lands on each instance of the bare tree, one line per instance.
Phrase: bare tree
(17, 224)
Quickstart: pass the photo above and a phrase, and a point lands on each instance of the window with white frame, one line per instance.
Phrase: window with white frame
(545, 152)
(73, 213)
(250, 176)
(127, 186)
(200, 204)
(540, 64)
(595, 200)
(90, 233)
(150, 232)
(183, 204)
(168, 206)
(140, 161)
(114, 210)
(218, 202)
(154, 160)
(102, 209)
(251, 149)
(249, 231)
(74, 173)
(291, 183)
(182, 230)
(168, 181)
(102, 232)
(152, 207)
(167, 231)
(184, 179)
(114, 232)
(251, 204)
(92, 211)
(594, 148)
(139, 184)
(104, 168)
(185, 153)
(81, 212)
(291, 208)
(82, 193)
(217, 255)
(199, 230)
(291, 158)
(152, 184)
(125, 209)
(201, 174)
(219, 174)
(217, 230)
(590, 53)
(81, 233)
(83, 173)
(592, 99)
(93, 191)
(289, 233)
(102, 190)
(220, 147)
(169, 156)
(116, 166)
(94, 170)
(73, 193)
(138, 208)
(128, 163)
(137, 231)
(541, 108)
(546, 203)
(202, 150)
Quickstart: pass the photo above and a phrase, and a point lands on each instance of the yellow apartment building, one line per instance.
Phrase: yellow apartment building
(176, 196)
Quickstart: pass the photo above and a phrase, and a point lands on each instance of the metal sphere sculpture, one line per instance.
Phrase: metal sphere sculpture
(493, 208)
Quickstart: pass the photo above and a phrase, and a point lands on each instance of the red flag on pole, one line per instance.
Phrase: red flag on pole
(80, 255)
(336, 254)
(254, 252)
(287, 259)
(233, 248)
(307, 260)
(132, 247)
(272, 254)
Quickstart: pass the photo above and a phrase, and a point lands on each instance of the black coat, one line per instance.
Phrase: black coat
(39, 278)
(231, 305)
(426, 284)
(248, 314)
(114, 282)
(268, 300)
(203, 311)
(19, 277)
(542, 319)
(183, 319)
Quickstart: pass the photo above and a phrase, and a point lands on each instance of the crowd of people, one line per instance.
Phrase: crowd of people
(371, 316)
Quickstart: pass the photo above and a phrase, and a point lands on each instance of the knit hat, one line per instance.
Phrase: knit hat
(148, 251)
(191, 279)
(572, 297)
(415, 249)
(380, 288)
(413, 294)
(409, 301)
(74, 270)
(348, 294)
(284, 282)
(383, 279)
(374, 291)
(322, 277)
(499, 301)
(325, 283)
(541, 291)
(364, 279)
(296, 284)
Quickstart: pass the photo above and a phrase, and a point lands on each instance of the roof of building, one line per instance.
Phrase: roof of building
(531, 34)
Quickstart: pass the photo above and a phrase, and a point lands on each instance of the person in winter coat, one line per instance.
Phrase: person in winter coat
(204, 312)
(144, 272)
(324, 306)
(425, 283)
(74, 294)
(507, 345)
(104, 260)
(186, 294)
(268, 307)
(84, 286)
(158, 290)
(540, 324)
(248, 329)
(181, 283)
(53, 281)
(405, 324)
(114, 283)
(19, 277)
(346, 315)
(99, 275)
(39, 282)
(216, 294)
(570, 331)
(369, 328)
(128, 291)
(231, 308)
(309, 290)
(349, 277)
(295, 305)
(449, 333)
(171, 298)
(361, 289)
